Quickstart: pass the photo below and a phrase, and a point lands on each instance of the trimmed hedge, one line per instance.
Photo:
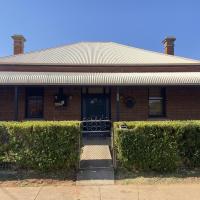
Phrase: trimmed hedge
(158, 146)
(41, 145)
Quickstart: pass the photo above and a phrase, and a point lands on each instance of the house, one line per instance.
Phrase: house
(98, 81)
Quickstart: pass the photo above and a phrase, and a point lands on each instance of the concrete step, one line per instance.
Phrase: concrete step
(95, 156)
(95, 176)
(91, 164)
(95, 163)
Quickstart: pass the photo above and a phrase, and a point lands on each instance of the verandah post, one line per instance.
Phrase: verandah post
(117, 105)
(16, 102)
(113, 131)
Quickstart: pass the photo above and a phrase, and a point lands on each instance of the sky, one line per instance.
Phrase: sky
(139, 23)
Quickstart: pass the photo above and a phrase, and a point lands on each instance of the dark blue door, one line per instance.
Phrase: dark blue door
(96, 107)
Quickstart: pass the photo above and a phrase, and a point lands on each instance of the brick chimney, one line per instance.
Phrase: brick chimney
(169, 45)
(18, 44)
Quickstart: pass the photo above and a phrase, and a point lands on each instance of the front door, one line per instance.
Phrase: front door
(95, 107)
(96, 111)
(96, 115)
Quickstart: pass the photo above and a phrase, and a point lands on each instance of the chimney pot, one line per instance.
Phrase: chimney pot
(18, 44)
(169, 44)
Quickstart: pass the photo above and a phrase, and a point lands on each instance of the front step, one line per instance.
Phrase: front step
(95, 163)
(95, 156)
(95, 176)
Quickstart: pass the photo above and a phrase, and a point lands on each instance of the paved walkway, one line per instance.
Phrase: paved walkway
(111, 192)
(95, 163)
(95, 156)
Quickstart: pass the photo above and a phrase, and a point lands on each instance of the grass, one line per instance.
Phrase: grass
(124, 177)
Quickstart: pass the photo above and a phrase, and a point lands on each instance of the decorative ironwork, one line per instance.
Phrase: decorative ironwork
(96, 127)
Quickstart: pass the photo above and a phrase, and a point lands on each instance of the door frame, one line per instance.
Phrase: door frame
(108, 96)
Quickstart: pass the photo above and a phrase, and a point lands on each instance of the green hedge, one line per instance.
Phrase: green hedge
(40, 144)
(158, 146)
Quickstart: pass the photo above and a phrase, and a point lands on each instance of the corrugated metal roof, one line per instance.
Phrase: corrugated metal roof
(126, 79)
(95, 53)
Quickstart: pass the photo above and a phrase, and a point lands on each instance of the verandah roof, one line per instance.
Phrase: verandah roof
(108, 79)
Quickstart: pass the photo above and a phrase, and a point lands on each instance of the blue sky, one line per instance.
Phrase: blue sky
(139, 23)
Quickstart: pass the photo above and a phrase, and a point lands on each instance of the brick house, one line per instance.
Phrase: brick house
(98, 80)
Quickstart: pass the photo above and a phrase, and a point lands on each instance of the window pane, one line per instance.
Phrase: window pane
(156, 101)
(155, 107)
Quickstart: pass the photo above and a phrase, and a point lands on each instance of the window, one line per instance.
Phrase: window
(156, 102)
(34, 102)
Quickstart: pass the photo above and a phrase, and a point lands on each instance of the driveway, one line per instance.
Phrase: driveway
(115, 192)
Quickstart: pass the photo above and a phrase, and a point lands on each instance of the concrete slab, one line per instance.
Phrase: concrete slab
(170, 192)
(95, 177)
(88, 193)
(116, 192)
(95, 153)
(94, 156)
(106, 192)
(57, 193)
(19, 193)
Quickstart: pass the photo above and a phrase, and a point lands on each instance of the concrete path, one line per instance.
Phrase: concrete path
(96, 163)
(111, 192)
(95, 156)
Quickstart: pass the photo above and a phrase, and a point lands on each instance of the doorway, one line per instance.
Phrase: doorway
(96, 107)
(96, 112)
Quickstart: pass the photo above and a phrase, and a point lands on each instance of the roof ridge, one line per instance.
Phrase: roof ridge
(156, 52)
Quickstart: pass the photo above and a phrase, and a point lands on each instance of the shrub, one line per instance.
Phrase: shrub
(42, 145)
(4, 146)
(188, 139)
(158, 146)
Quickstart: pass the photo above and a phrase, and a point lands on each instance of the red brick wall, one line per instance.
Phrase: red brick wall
(6, 103)
(71, 112)
(181, 103)
(139, 111)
